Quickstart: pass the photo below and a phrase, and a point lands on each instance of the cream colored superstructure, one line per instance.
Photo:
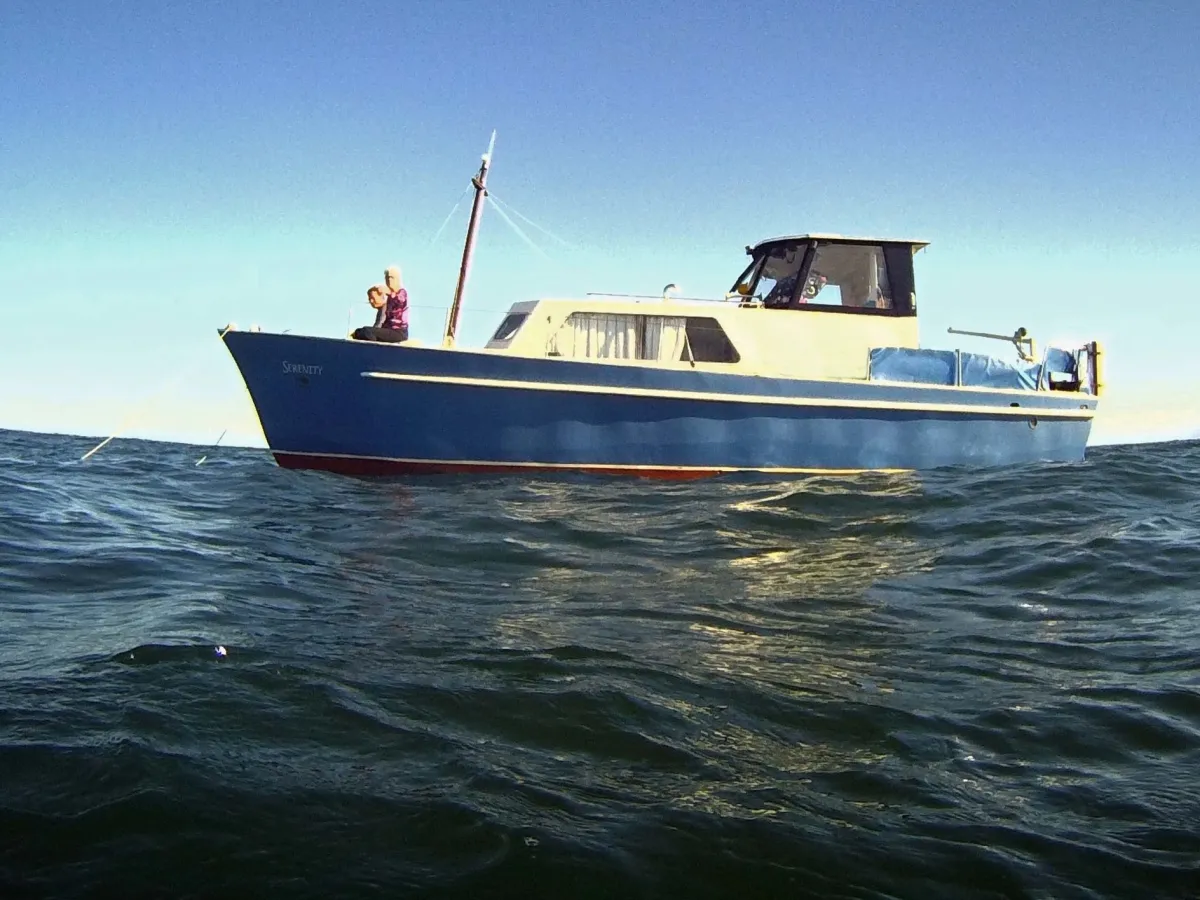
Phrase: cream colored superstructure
(793, 343)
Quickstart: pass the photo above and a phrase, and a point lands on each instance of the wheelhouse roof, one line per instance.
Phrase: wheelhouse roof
(838, 238)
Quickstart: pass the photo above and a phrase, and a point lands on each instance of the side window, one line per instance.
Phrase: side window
(708, 342)
(625, 336)
(848, 275)
(660, 337)
(510, 326)
(597, 336)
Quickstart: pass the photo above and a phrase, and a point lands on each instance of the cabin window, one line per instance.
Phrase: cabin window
(707, 341)
(849, 275)
(619, 336)
(510, 326)
(630, 336)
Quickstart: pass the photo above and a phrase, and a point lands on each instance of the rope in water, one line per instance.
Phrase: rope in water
(214, 447)
(141, 407)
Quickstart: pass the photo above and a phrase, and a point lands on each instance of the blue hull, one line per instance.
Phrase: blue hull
(364, 408)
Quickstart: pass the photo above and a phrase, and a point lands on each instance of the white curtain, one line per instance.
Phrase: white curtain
(598, 336)
(615, 336)
(664, 338)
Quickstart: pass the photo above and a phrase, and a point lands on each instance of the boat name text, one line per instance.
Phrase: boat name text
(290, 368)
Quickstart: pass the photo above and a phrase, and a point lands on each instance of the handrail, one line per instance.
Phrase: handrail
(1017, 338)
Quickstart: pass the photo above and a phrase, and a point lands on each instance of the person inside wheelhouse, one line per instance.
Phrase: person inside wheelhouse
(830, 274)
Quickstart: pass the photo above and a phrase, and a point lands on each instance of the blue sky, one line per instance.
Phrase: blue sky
(166, 168)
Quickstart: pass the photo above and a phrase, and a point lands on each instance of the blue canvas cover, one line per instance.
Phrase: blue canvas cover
(980, 370)
(974, 369)
(906, 364)
(1059, 360)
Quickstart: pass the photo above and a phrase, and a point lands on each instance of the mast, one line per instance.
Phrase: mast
(480, 183)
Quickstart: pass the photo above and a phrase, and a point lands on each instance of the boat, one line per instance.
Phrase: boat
(810, 364)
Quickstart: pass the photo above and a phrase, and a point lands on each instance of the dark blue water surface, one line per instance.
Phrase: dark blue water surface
(234, 680)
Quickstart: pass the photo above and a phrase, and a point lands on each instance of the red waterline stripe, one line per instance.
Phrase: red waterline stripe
(343, 465)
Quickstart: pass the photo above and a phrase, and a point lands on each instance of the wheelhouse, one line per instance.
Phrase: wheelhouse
(831, 273)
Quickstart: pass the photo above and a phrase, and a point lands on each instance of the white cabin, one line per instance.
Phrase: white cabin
(807, 306)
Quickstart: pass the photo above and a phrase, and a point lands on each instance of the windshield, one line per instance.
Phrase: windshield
(772, 275)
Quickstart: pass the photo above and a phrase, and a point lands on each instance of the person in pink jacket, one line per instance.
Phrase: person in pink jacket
(391, 319)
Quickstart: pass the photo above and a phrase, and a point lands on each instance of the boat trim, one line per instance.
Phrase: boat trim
(1047, 412)
(369, 465)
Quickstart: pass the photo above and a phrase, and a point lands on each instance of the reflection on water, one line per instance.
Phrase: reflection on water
(772, 557)
(778, 606)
